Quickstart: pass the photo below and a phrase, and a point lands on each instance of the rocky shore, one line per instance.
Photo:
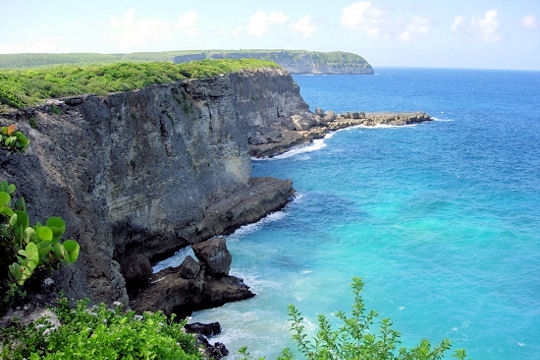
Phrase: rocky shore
(322, 122)
(137, 175)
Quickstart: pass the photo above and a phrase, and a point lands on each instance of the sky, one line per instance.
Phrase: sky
(486, 34)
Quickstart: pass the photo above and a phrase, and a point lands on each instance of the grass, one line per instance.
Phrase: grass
(33, 60)
(23, 87)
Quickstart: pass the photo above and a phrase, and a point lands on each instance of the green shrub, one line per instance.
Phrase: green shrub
(13, 140)
(19, 88)
(99, 333)
(26, 249)
(357, 338)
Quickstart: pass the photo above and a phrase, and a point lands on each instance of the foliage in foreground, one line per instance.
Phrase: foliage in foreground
(99, 333)
(356, 338)
(19, 88)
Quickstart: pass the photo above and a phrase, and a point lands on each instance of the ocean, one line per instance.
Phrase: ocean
(441, 220)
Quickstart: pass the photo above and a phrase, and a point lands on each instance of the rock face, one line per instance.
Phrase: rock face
(295, 61)
(137, 175)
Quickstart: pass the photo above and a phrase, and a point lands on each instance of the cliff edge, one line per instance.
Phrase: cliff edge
(140, 174)
(294, 61)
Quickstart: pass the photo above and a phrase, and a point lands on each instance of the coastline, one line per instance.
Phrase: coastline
(324, 122)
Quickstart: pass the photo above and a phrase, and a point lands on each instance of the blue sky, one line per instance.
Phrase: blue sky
(487, 34)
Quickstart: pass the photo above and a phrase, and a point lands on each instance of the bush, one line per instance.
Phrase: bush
(99, 332)
(25, 248)
(356, 338)
(11, 139)
(19, 88)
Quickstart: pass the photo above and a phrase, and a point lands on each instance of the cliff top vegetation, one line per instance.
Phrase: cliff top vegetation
(32, 60)
(23, 87)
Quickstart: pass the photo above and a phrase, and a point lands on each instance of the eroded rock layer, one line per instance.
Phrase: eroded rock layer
(137, 175)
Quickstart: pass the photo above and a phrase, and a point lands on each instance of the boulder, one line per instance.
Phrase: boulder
(193, 285)
(329, 116)
(190, 268)
(208, 330)
(215, 255)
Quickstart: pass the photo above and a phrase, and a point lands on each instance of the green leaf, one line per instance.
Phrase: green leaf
(58, 227)
(29, 235)
(13, 219)
(11, 189)
(72, 251)
(23, 141)
(31, 253)
(5, 199)
(20, 219)
(44, 233)
(6, 211)
(44, 249)
(58, 250)
(16, 272)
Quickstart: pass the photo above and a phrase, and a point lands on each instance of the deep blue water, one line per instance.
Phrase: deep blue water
(441, 220)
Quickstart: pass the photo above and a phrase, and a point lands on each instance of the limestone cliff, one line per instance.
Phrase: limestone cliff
(295, 61)
(139, 174)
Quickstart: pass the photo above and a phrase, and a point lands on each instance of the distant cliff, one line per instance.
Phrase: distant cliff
(295, 61)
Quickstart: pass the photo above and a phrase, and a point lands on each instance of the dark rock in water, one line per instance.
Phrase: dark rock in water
(190, 268)
(205, 331)
(215, 254)
(208, 330)
(216, 351)
(193, 285)
(219, 351)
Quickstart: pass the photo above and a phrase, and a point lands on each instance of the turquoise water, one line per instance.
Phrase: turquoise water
(441, 220)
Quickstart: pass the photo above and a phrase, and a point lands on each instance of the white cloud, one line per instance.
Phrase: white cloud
(123, 21)
(53, 44)
(481, 28)
(130, 33)
(365, 17)
(458, 23)
(188, 20)
(260, 22)
(528, 22)
(419, 27)
(487, 26)
(304, 26)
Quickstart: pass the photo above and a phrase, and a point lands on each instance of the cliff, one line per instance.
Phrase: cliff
(139, 174)
(295, 61)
